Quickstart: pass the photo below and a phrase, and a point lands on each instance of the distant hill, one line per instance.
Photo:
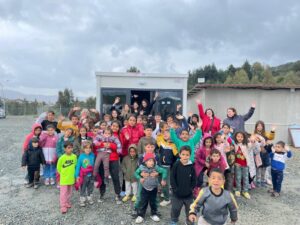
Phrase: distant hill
(285, 68)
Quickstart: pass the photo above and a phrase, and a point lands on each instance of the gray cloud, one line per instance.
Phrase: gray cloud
(51, 46)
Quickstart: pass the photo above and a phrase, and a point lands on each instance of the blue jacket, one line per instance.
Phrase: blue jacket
(278, 159)
(84, 161)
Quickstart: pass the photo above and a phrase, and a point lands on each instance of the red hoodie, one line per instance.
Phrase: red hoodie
(30, 136)
(135, 133)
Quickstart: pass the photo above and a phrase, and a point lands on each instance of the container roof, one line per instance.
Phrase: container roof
(128, 74)
(198, 87)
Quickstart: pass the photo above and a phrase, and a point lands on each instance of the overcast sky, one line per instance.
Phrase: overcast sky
(50, 46)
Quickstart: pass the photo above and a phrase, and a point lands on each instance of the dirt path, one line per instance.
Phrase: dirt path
(19, 205)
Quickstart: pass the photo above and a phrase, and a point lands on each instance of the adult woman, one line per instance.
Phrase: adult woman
(211, 123)
(146, 107)
(237, 122)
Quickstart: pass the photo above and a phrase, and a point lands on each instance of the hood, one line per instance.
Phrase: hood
(34, 126)
(205, 136)
(135, 148)
(30, 147)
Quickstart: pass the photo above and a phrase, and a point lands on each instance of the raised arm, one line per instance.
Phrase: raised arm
(248, 115)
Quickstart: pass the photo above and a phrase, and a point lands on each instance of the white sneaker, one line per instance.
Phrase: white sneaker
(52, 181)
(165, 203)
(90, 200)
(82, 201)
(155, 218)
(100, 199)
(47, 182)
(139, 219)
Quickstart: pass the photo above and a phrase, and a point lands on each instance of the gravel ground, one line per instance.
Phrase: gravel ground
(19, 205)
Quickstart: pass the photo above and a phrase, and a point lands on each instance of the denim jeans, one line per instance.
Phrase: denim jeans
(277, 178)
(50, 171)
(241, 173)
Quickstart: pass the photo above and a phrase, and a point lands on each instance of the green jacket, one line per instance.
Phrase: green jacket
(191, 142)
(129, 166)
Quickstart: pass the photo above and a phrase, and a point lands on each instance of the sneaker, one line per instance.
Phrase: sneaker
(47, 181)
(237, 194)
(139, 219)
(122, 194)
(90, 200)
(165, 203)
(126, 198)
(52, 181)
(63, 210)
(155, 218)
(133, 199)
(101, 199)
(118, 200)
(35, 186)
(246, 195)
(275, 194)
(58, 186)
(252, 185)
(29, 185)
(82, 201)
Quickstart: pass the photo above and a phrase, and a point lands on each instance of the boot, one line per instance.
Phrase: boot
(90, 200)
(82, 201)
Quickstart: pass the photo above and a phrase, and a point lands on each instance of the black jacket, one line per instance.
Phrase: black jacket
(45, 123)
(33, 157)
(183, 179)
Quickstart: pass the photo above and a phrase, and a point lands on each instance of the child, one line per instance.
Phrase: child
(84, 173)
(74, 124)
(68, 136)
(149, 185)
(167, 156)
(183, 181)
(216, 161)
(185, 140)
(32, 158)
(222, 146)
(48, 141)
(103, 152)
(149, 148)
(226, 134)
(129, 166)
(242, 161)
(35, 132)
(162, 127)
(215, 202)
(107, 119)
(254, 158)
(66, 169)
(80, 140)
(278, 158)
(148, 137)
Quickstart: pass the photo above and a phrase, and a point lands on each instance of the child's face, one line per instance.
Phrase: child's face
(165, 127)
(50, 116)
(169, 120)
(226, 130)
(216, 180)
(115, 127)
(106, 118)
(157, 118)
(87, 149)
(125, 122)
(37, 131)
(148, 132)
(95, 130)
(252, 139)
(150, 163)
(107, 133)
(74, 120)
(132, 152)
(50, 131)
(184, 156)
(218, 139)
(144, 121)
(215, 158)
(68, 133)
(149, 148)
(82, 132)
(139, 120)
(102, 126)
(184, 135)
(69, 149)
(132, 121)
(167, 135)
(208, 143)
(240, 138)
(259, 127)
(278, 148)
(114, 114)
(194, 119)
(35, 144)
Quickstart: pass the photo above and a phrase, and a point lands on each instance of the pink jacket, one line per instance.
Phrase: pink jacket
(30, 136)
(48, 143)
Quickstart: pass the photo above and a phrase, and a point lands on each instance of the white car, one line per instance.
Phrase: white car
(2, 113)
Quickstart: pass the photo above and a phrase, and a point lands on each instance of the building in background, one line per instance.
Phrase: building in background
(172, 90)
(275, 104)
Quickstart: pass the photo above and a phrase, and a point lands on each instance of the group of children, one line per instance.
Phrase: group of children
(176, 158)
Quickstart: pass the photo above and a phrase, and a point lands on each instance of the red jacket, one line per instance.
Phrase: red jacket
(206, 122)
(113, 155)
(135, 133)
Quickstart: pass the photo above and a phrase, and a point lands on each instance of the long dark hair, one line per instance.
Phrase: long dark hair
(212, 111)
(263, 132)
(245, 141)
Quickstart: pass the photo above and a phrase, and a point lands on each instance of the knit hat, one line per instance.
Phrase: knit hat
(148, 156)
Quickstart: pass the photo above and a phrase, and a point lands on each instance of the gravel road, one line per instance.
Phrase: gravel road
(19, 205)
